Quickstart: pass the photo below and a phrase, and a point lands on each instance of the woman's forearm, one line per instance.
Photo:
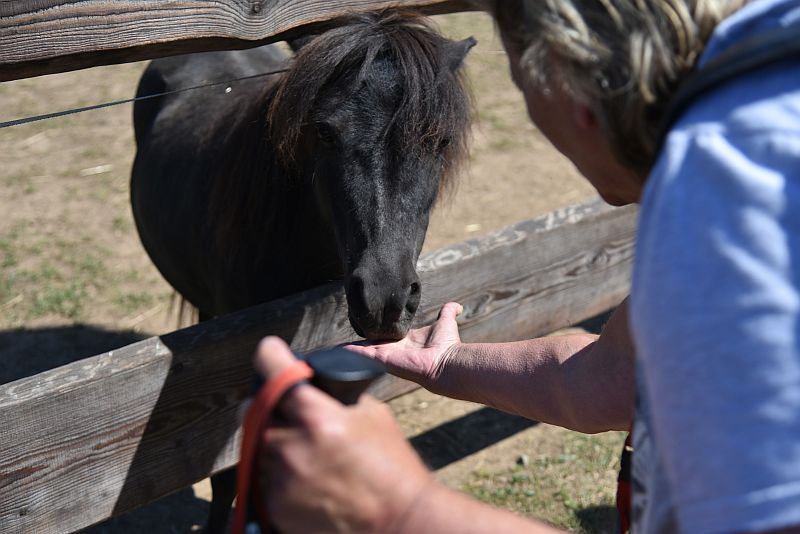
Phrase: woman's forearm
(443, 510)
(578, 381)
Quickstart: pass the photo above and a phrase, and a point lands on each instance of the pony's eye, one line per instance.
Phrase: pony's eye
(443, 144)
(325, 133)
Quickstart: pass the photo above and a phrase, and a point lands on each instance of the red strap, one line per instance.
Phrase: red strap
(624, 486)
(256, 420)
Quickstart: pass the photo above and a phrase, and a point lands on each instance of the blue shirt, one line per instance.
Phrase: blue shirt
(715, 304)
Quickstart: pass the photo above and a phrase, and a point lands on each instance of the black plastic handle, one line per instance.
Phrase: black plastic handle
(342, 374)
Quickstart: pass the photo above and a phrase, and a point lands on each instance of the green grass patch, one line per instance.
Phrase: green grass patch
(55, 277)
(6, 286)
(129, 303)
(120, 224)
(20, 182)
(61, 300)
(8, 257)
(572, 488)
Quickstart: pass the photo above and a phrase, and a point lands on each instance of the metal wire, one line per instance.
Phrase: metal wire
(26, 120)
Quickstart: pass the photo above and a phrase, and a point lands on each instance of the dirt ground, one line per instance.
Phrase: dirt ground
(75, 281)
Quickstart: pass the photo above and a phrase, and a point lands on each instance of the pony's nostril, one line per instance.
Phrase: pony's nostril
(356, 292)
(414, 291)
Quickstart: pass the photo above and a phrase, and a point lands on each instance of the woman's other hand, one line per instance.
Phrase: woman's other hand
(335, 468)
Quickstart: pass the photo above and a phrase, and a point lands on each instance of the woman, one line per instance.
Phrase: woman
(714, 312)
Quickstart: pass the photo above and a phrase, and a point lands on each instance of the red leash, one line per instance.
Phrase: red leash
(624, 486)
(258, 417)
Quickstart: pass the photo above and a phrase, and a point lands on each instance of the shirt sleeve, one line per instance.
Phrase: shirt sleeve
(716, 320)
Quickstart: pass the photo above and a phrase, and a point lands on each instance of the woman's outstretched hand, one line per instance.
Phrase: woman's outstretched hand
(423, 353)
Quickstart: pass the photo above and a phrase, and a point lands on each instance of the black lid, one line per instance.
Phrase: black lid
(343, 365)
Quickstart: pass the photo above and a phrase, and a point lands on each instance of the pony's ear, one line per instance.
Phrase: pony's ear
(456, 51)
(299, 42)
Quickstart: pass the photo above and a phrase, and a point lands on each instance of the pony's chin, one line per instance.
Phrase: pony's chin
(392, 332)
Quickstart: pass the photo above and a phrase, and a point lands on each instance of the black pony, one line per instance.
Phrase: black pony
(328, 171)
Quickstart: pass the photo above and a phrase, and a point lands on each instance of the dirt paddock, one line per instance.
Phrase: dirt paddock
(75, 281)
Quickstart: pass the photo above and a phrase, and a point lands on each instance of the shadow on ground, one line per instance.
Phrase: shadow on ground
(597, 519)
(179, 513)
(466, 435)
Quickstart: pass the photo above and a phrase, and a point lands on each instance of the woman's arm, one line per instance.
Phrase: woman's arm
(578, 381)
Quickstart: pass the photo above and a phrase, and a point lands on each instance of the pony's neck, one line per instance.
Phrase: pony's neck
(259, 204)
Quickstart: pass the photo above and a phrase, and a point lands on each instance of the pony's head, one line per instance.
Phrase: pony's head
(376, 113)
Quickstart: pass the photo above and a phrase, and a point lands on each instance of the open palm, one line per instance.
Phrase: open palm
(421, 355)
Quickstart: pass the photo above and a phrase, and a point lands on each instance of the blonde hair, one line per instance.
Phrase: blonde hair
(623, 58)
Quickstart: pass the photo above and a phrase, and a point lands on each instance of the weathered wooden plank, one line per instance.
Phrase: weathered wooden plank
(536, 276)
(47, 36)
(98, 437)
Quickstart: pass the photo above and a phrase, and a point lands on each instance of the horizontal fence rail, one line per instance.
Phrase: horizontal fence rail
(93, 439)
(48, 36)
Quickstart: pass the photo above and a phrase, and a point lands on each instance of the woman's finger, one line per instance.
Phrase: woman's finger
(272, 356)
(303, 403)
(451, 310)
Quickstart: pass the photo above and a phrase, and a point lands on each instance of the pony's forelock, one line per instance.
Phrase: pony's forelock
(435, 107)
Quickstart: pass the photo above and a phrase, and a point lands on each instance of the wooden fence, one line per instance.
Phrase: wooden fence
(101, 436)
(93, 439)
(47, 36)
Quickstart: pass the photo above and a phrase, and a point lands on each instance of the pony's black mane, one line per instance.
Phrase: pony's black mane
(435, 106)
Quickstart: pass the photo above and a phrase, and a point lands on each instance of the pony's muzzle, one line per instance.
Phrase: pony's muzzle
(382, 306)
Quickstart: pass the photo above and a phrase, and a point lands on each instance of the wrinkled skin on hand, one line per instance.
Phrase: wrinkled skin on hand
(335, 468)
(423, 353)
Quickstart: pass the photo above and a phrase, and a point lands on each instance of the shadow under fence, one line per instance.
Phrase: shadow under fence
(25, 352)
